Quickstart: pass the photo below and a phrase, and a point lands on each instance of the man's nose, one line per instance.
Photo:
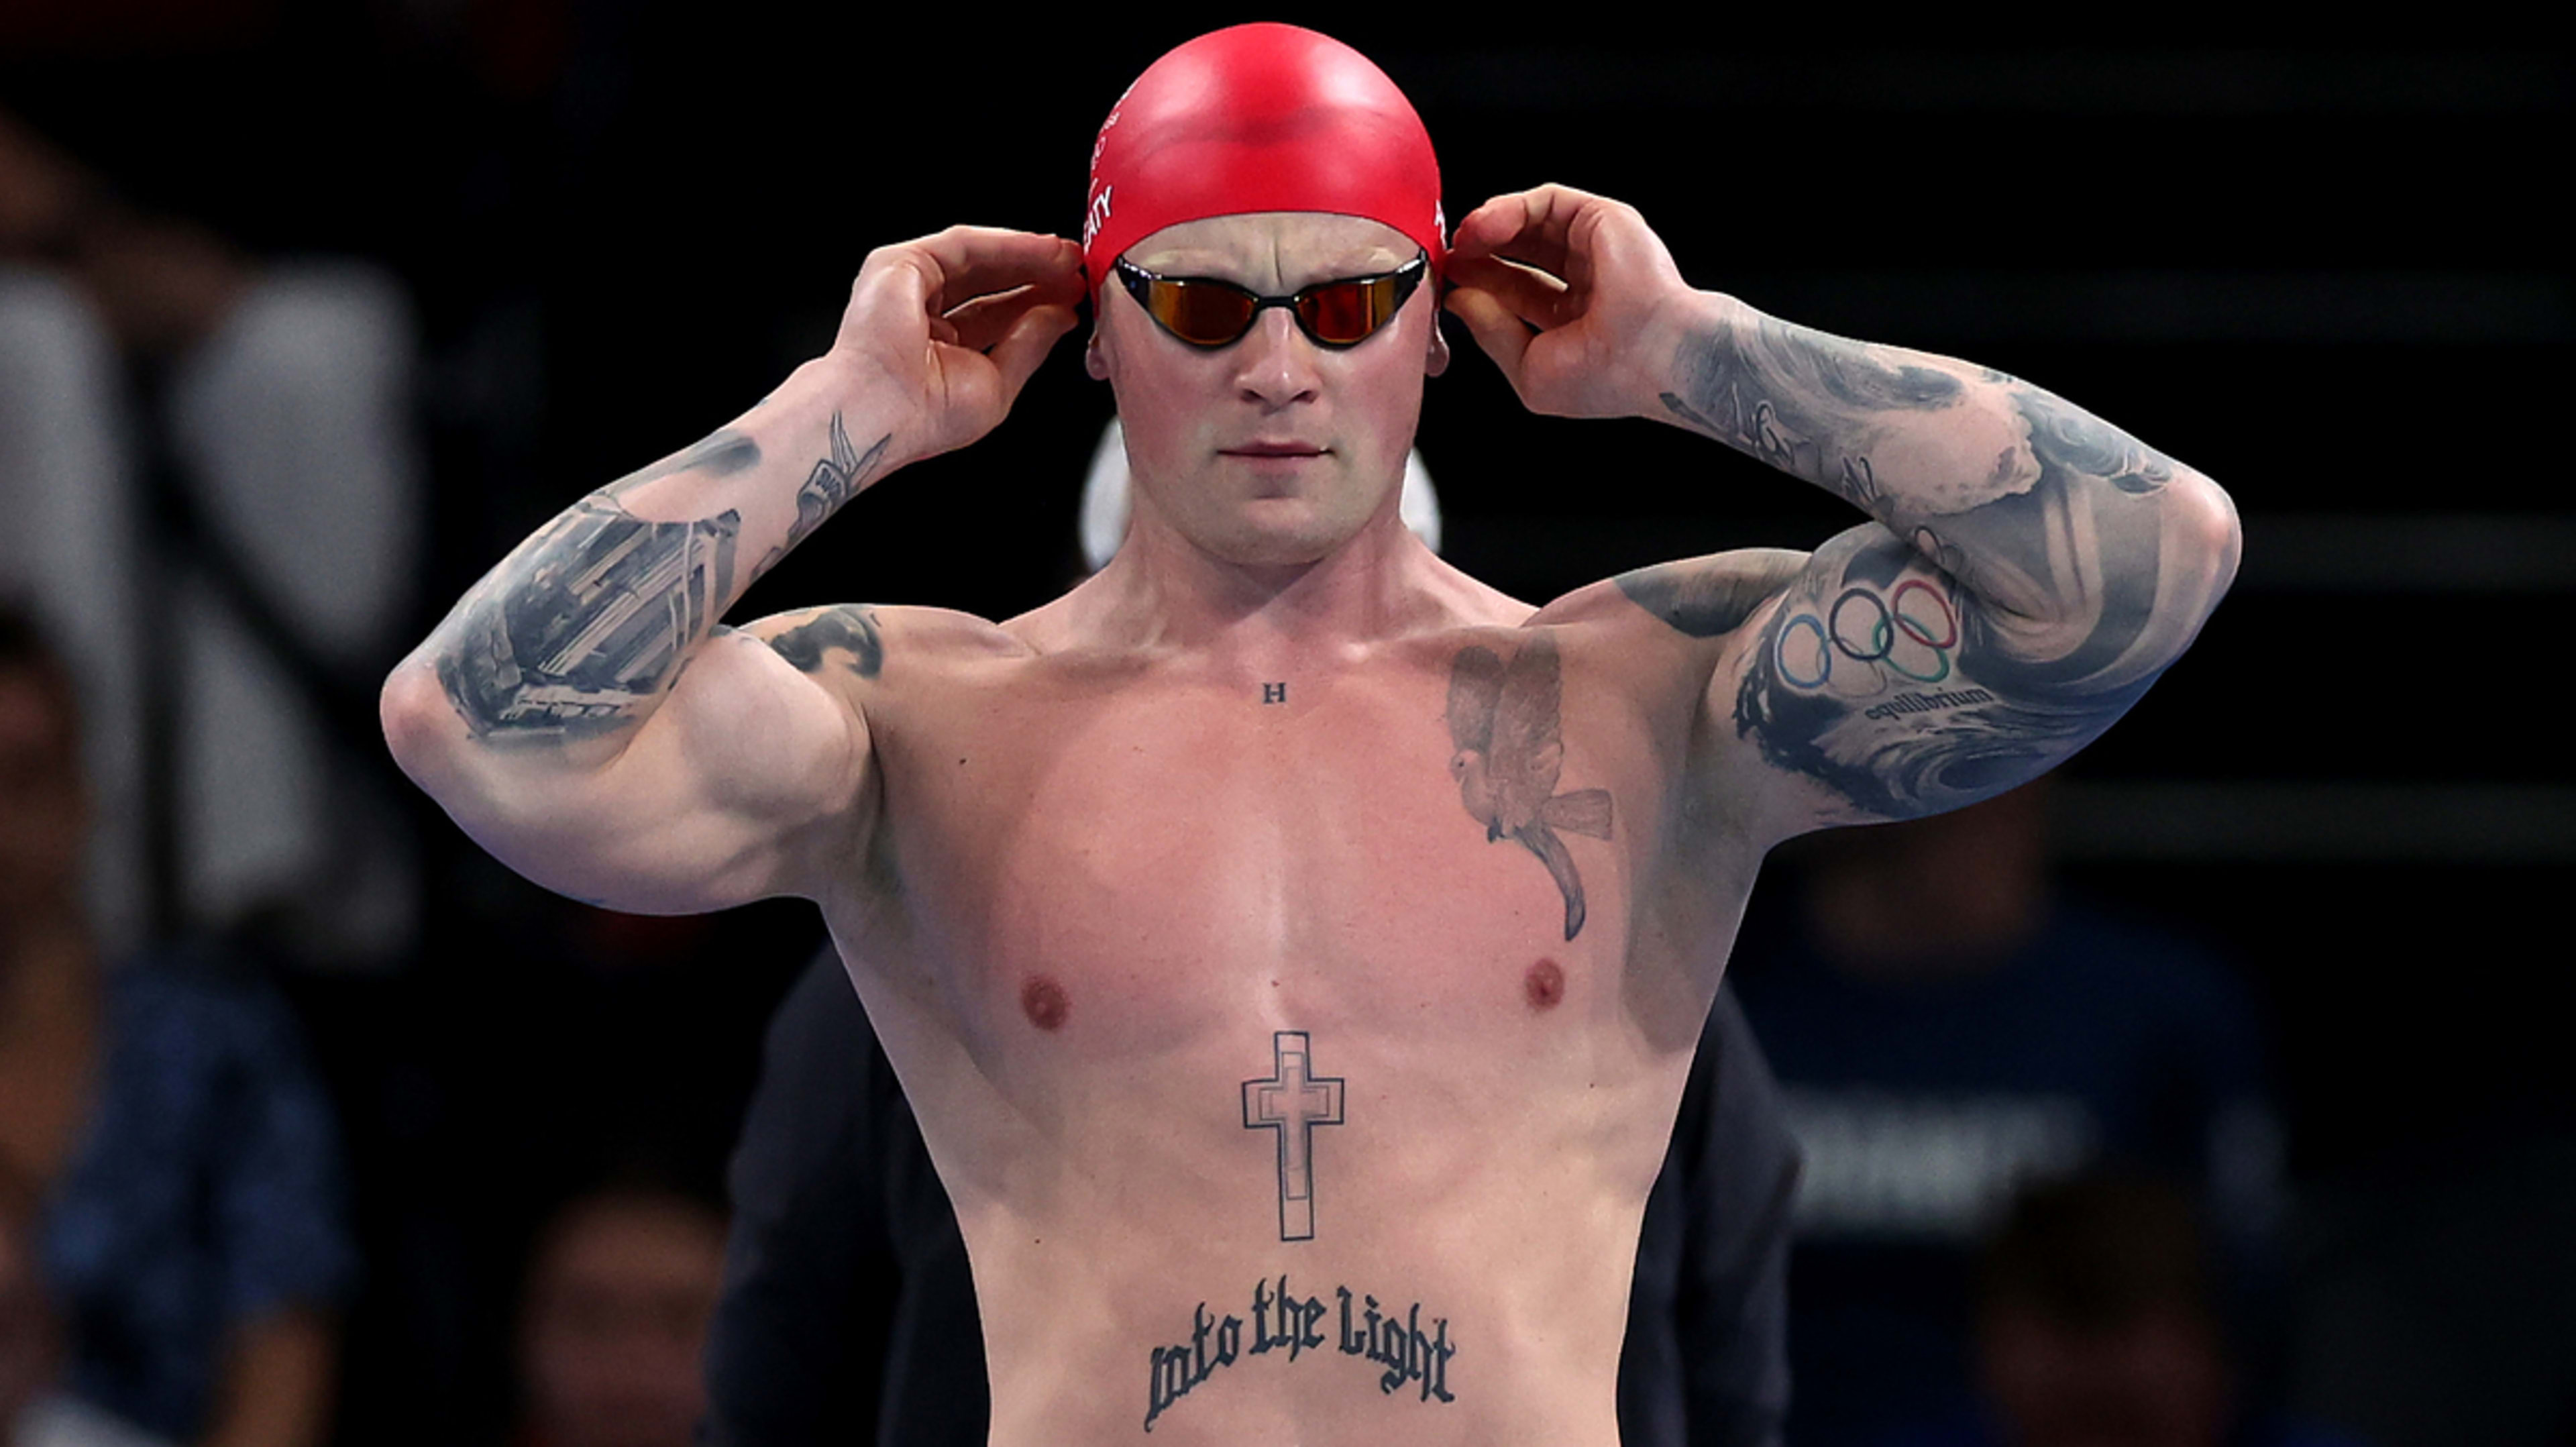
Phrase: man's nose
(1276, 362)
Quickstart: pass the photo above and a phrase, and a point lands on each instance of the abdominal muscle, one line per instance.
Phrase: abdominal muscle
(1465, 1281)
(1480, 1132)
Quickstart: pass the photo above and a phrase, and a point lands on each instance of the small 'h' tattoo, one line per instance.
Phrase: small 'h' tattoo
(1292, 1102)
(1508, 753)
(1274, 693)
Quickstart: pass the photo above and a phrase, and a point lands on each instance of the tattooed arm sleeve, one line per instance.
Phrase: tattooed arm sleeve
(582, 714)
(2030, 569)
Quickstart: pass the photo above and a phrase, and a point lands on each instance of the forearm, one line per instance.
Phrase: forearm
(574, 641)
(2039, 508)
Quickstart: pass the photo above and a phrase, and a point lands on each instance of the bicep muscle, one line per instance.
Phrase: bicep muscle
(1875, 687)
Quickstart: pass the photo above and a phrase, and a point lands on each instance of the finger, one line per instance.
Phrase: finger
(962, 264)
(1534, 296)
(1025, 344)
(1530, 226)
(1610, 239)
(1490, 225)
(966, 262)
(980, 324)
(1501, 334)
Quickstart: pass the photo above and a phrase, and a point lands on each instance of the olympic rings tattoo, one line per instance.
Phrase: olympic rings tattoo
(1881, 636)
(1780, 651)
(1913, 630)
(1914, 611)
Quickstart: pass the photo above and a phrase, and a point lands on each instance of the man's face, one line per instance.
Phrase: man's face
(1274, 450)
(2155, 1381)
(616, 1323)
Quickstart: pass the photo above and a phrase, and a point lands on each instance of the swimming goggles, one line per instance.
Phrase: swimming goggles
(1209, 313)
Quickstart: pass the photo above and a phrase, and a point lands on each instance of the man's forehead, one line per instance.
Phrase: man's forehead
(1303, 245)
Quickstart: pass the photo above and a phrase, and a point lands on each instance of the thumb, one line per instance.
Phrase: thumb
(1496, 328)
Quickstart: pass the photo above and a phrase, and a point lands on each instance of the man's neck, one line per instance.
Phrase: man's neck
(1164, 592)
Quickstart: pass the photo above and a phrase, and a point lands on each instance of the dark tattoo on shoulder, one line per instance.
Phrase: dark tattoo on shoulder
(1507, 752)
(1293, 1101)
(1410, 1351)
(850, 628)
(1708, 598)
(594, 618)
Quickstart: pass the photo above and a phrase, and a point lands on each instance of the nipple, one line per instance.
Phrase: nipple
(1544, 985)
(1044, 1002)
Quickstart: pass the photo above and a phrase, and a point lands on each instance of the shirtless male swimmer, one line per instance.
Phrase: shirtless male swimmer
(1292, 947)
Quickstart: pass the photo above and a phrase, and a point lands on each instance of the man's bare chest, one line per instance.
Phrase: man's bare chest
(1123, 866)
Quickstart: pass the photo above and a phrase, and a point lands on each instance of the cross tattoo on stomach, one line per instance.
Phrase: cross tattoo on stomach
(1293, 1102)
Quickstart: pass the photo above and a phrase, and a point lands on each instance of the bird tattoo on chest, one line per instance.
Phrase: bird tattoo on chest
(1507, 747)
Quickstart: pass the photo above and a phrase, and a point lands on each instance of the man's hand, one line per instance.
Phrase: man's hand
(1595, 282)
(956, 323)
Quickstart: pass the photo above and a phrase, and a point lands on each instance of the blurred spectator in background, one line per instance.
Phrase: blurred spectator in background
(613, 1324)
(193, 1236)
(33, 1410)
(2099, 1325)
(206, 463)
(1946, 1029)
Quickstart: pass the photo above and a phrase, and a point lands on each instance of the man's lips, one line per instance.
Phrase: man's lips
(1275, 449)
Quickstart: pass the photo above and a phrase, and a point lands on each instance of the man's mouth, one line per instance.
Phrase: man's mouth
(1276, 449)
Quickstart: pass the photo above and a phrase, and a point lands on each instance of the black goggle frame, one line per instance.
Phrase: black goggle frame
(1211, 314)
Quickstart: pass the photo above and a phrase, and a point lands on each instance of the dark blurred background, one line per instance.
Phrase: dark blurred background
(2314, 264)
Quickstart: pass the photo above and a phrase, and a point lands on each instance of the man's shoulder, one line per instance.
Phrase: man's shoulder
(862, 640)
(1703, 597)
(1671, 617)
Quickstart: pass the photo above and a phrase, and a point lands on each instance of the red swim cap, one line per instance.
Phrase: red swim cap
(1259, 118)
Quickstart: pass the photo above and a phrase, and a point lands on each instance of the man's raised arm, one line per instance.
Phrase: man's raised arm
(582, 714)
(2029, 571)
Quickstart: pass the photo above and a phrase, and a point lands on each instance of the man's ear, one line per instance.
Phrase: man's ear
(1095, 361)
(1436, 359)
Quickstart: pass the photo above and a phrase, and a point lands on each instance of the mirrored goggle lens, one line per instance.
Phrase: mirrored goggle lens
(1202, 313)
(1345, 312)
